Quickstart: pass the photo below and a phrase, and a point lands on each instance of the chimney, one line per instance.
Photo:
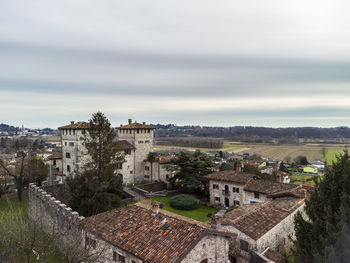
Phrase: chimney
(214, 222)
(155, 208)
(129, 120)
(71, 122)
(144, 123)
(279, 177)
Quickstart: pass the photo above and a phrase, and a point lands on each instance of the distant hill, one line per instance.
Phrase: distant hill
(256, 134)
(8, 128)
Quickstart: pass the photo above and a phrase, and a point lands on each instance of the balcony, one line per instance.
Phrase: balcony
(226, 193)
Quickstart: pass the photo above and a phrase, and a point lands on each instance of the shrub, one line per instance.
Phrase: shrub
(184, 202)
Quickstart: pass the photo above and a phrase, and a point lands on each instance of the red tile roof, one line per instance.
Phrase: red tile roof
(257, 219)
(135, 230)
(135, 125)
(55, 156)
(76, 125)
(272, 255)
(267, 186)
(230, 176)
(124, 145)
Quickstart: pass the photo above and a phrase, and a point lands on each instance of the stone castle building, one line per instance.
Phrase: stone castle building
(135, 141)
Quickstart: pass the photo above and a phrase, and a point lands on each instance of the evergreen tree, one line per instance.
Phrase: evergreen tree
(96, 188)
(325, 237)
(190, 171)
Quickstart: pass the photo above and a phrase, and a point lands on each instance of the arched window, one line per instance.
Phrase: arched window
(204, 261)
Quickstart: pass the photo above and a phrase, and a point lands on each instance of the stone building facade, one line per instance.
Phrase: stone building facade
(261, 226)
(232, 189)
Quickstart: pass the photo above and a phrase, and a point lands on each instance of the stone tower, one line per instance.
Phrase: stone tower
(141, 137)
(74, 154)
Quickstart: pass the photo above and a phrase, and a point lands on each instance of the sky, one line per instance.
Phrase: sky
(216, 63)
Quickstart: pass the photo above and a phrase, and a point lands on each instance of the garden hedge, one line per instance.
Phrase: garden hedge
(184, 202)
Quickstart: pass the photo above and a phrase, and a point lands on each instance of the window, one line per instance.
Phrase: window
(167, 176)
(67, 155)
(215, 186)
(235, 202)
(65, 143)
(54, 162)
(146, 168)
(243, 245)
(130, 172)
(71, 144)
(232, 259)
(68, 168)
(140, 141)
(146, 176)
(147, 141)
(70, 131)
(149, 131)
(217, 199)
(114, 256)
(120, 166)
(235, 189)
(128, 151)
(89, 242)
(204, 261)
(83, 132)
(138, 131)
(256, 195)
(121, 258)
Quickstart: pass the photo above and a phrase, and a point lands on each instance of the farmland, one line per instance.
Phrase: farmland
(283, 152)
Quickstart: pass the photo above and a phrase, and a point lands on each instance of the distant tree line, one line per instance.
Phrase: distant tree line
(10, 145)
(213, 143)
(8, 128)
(255, 134)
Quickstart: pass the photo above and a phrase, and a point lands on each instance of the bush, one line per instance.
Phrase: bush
(184, 202)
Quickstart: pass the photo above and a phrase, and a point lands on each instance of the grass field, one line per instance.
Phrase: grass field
(332, 156)
(199, 214)
(10, 206)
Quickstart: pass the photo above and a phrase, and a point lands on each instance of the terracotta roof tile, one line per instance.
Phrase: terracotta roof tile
(257, 219)
(266, 186)
(55, 156)
(230, 176)
(124, 145)
(272, 255)
(76, 125)
(135, 230)
(135, 125)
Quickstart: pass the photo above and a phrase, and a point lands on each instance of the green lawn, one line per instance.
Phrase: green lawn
(299, 178)
(331, 155)
(199, 214)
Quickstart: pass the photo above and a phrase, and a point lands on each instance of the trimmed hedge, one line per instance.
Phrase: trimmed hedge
(184, 202)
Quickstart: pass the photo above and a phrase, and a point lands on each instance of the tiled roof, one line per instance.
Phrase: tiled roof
(230, 176)
(55, 156)
(272, 255)
(266, 186)
(124, 145)
(135, 125)
(257, 219)
(136, 231)
(300, 191)
(76, 125)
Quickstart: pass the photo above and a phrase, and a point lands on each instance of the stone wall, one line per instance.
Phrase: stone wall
(55, 218)
(213, 248)
(218, 192)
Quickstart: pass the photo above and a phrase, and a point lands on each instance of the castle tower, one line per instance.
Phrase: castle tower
(141, 137)
(74, 154)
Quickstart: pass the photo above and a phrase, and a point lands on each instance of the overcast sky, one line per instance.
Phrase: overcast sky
(248, 62)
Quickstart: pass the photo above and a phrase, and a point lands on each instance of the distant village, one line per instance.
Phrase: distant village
(255, 200)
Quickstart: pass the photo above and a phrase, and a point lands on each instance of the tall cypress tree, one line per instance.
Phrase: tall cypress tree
(325, 235)
(96, 188)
